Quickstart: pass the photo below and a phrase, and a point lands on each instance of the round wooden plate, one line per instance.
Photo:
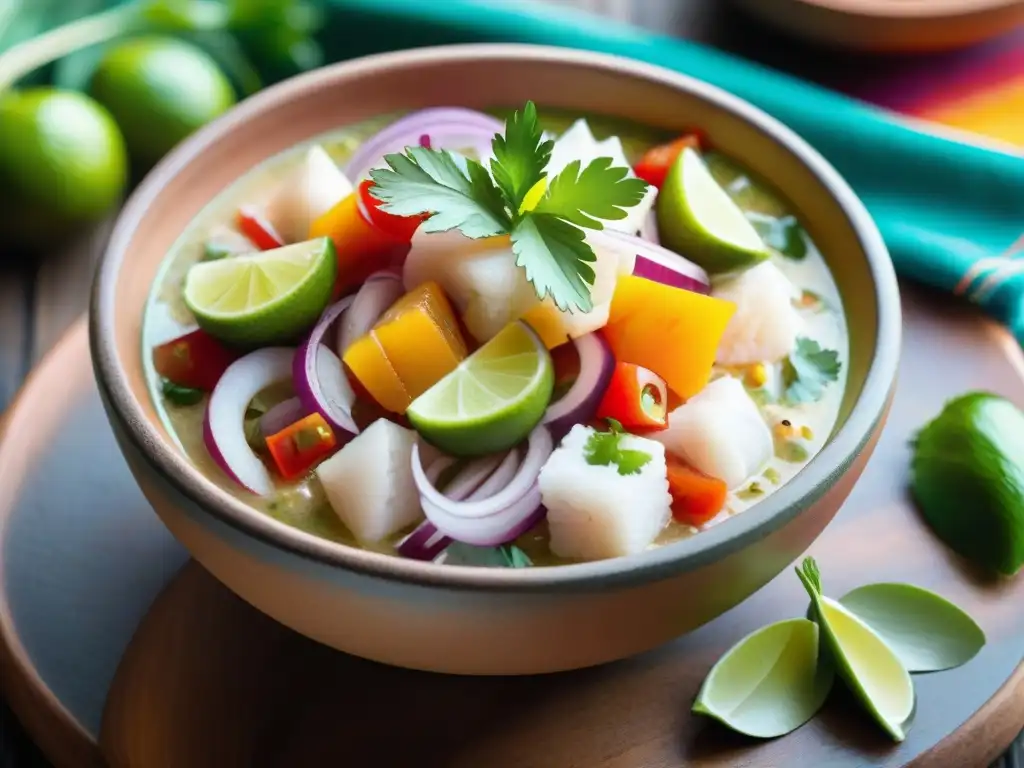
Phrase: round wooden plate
(207, 681)
(891, 26)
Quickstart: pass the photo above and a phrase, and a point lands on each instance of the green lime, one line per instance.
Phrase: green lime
(62, 162)
(968, 479)
(698, 219)
(869, 667)
(160, 90)
(492, 400)
(269, 297)
(770, 683)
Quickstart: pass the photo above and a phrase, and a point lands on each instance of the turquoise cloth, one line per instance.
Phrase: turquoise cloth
(949, 211)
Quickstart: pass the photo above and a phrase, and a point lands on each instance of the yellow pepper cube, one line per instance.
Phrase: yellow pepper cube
(671, 331)
(412, 347)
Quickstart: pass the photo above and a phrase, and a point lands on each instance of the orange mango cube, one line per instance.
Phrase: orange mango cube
(671, 331)
(362, 248)
(412, 347)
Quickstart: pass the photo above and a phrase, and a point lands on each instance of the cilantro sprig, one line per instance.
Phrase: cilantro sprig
(547, 234)
(605, 449)
(808, 370)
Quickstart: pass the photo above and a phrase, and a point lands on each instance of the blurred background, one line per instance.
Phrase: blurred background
(94, 92)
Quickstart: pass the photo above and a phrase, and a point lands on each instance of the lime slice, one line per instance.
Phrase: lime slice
(263, 298)
(770, 683)
(868, 666)
(698, 219)
(492, 400)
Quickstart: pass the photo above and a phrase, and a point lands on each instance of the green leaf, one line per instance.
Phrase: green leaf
(520, 156)
(598, 192)
(808, 370)
(784, 234)
(605, 449)
(431, 181)
(556, 258)
(514, 557)
(771, 682)
(179, 395)
(927, 632)
(810, 575)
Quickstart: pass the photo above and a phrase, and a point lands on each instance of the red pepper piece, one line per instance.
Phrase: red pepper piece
(399, 227)
(195, 360)
(654, 165)
(297, 448)
(696, 497)
(256, 227)
(636, 397)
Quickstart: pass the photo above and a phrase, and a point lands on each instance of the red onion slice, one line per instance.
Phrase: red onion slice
(380, 291)
(281, 415)
(497, 518)
(224, 422)
(426, 542)
(451, 128)
(579, 404)
(319, 378)
(653, 262)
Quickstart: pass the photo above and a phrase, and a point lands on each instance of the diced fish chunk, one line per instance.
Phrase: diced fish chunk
(596, 513)
(311, 189)
(766, 324)
(369, 482)
(720, 432)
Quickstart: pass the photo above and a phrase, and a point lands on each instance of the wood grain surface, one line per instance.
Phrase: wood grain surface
(39, 301)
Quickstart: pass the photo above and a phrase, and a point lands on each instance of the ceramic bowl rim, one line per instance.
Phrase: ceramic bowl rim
(710, 546)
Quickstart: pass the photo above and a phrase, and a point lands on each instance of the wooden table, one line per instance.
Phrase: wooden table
(38, 301)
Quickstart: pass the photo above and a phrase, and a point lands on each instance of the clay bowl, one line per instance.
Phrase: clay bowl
(891, 26)
(478, 620)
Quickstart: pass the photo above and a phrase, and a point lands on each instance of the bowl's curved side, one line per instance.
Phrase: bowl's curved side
(478, 76)
(438, 629)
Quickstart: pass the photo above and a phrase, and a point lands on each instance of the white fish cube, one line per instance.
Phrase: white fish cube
(766, 324)
(596, 513)
(369, 482)
(307, 192)
(720, 432)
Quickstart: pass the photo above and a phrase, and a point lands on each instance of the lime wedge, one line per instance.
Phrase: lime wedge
(263, 298)
(698, 219)
(868, 666)
(770, 683)
(492, 400)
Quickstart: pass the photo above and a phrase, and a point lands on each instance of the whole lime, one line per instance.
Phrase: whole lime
(968, 478)
(62, 163)
(159, 90)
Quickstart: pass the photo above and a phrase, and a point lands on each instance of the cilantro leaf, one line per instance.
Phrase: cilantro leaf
(605, 449)
(556, 259)
(598, 192)
(520, 156)
(808, 370)
(433, 181)
(514, 557)
(180, 395)
(785, 235)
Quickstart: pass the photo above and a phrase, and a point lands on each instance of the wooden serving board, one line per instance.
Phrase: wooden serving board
(208, 682)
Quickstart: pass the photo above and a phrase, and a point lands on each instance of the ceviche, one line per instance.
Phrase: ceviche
(498, 339)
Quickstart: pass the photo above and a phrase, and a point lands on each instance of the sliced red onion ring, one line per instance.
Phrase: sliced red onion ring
(451, 128)
(224, 422)
(281, 415)
(579, 404)
(319, 378)
(380, 291)
(426, 542)
(495, 519)
(654, 262)
(649, 231)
